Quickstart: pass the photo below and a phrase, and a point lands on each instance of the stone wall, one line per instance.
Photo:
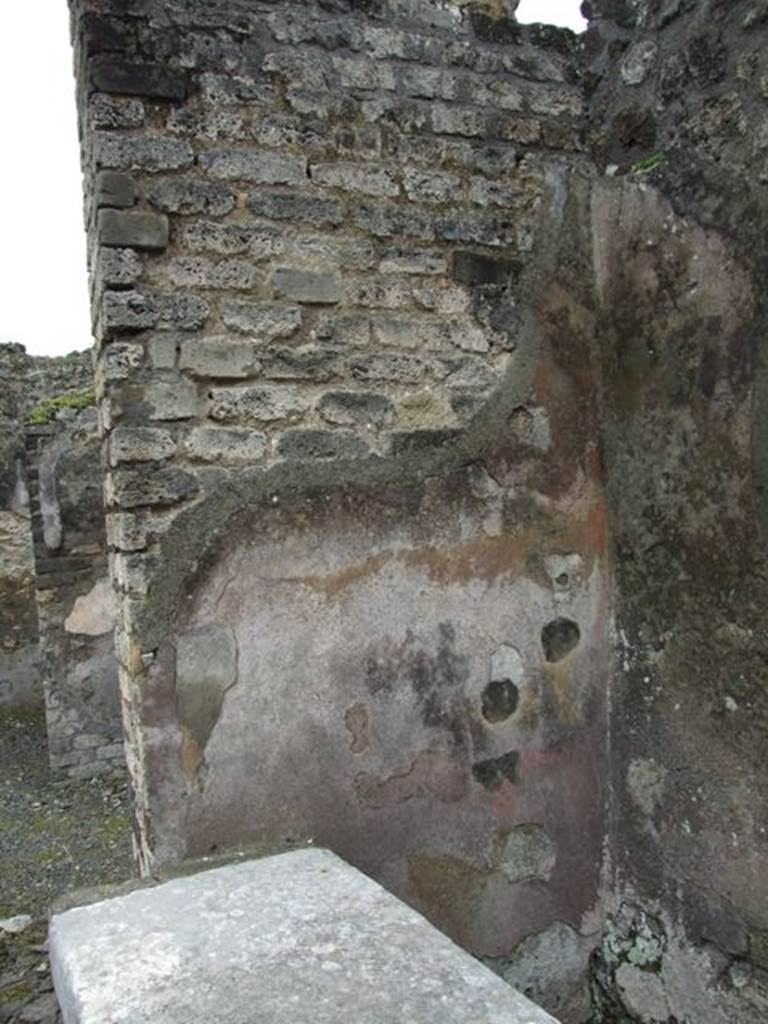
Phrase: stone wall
(678, 117)
(341, 270)
(74, 597)
(19, 668)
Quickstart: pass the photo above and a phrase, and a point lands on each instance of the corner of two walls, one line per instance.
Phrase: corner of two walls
(342, 298)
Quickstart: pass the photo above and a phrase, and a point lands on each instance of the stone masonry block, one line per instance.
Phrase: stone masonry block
(170, 397)
(306, 286)
(152, 484)
(452, 120)
(140, 444)
(199, 272)
(152, 80)
(427, 186)
(305, 363)
(119, 360)
(262, 321)
(141, 152)
(226, 444)
(218, 357)
(319, 212)
(135, 310)
(112, 112)
(118, 267)
(188, 196)
(298, 939)
(321, 444)
(361, 408)
(137, 229)
(111, 188)
(263, 404)
(252, 165)
(259, 241)
(368, 179)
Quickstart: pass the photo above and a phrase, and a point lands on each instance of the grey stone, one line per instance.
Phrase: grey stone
(141, 152)
(226, 444)
(306, 286)
(350, 408)
(115, 112)
(162, 350)
(349, 329)
(365, 178)
(222, 357)
(527, 853)
(171, 397)
(152, 484)
(187, 196)
(263, 321)
(138, 229)
(135, 310)
(263, 404)
(140, 444)
(321, 444)
(307, 362)
(120, 359)
(318, 211)
(431, 186)
(118, 267)
(154, 80)
(252, 165)
(257, 240)
(454, 120)
(112, 188)
(402, 260)
(206, 667)
(200, 272)
(397, 367)
(298, 937)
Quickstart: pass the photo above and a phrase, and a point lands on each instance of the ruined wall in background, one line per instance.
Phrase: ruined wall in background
(19, 668)
(678, 116)
(75, 601)
(341, 272)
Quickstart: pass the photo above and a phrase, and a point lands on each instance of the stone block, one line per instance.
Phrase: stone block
(388, 367)
(431, 186)
(218, 357)
(116, 267)
(453, 120)
(153, 80)
(140, 444)
(349, 329)
(300, 937)
(162, 350)
(367, 179)
(253, 165)
(135, 310)
(120, 359)
(111, 188)
(306, 286)
(321, 444)
(307, 362)
(189, 195)
(199, 272)
(263, 321)
(151, 484)
(138, 229)
(404, 260)
(141, 152)
(225, 444)
(351, 408)
(317, 211)
(263, 404)
(259, 241)
(112, 112)
(171, 397)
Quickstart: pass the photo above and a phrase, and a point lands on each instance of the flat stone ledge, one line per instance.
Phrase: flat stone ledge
(299, 938)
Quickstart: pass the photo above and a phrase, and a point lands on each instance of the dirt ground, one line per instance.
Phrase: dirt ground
(56, 836)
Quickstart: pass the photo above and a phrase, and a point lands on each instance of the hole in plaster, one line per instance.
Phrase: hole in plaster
(563, 579)
(559, 638)
(500, 700)
(493, 772)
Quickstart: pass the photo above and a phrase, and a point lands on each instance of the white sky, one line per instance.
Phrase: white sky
(45, 293)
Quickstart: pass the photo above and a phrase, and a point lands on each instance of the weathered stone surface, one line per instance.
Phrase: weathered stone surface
(221, 357)
(318, 211)
(137, 229)
(140, 152)
(259, 241)
(261, 404)
(305, 923)
(356, 407)
(306, 286)
(370, 181)
(153, 80)
(263, 321)
(225, 444)
(118, 267)
(321, 444)
(139, 310)
(188, 196)
(153, 484)
(115, 112)
(140, 444)
(200, 272)
(250, 165)
(112, 188)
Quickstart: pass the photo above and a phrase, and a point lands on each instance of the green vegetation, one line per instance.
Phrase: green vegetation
(45, 411)
(650, 163)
